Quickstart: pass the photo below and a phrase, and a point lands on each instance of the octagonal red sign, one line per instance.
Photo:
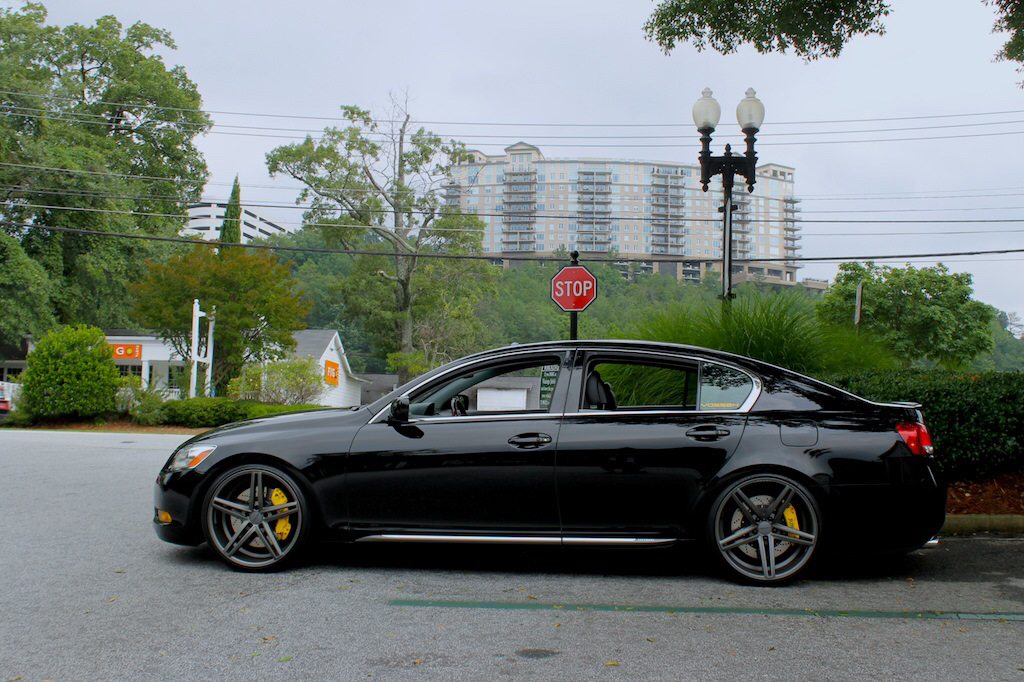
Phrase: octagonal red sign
(573, 288)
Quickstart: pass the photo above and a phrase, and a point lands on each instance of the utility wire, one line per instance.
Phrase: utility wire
(694, 191)
(100, 119)
(503, 256)
(492, 123)
(54, 191)
(546, 216)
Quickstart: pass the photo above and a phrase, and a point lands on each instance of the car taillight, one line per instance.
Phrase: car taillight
(917, 438)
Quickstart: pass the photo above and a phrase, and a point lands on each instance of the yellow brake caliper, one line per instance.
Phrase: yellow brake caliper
(790, 515)
(283, 527)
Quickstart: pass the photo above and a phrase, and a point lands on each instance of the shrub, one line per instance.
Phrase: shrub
(209, 412)
(203, 412)
(141, 403)
(286, 382)
(70, 374)
(780, 328)
(976, 420)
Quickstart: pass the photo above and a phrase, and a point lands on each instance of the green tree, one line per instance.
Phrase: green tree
(69, 374)
(257, 306)
(925, 313)
(231, 228)
(25, 295)
(378, 182)
(97, 134)
(811, 28)
(295, 381)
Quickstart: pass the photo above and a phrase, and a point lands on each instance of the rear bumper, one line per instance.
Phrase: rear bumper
(902, 515)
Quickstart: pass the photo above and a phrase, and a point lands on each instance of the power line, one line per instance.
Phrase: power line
(504, 256)
(53, 191)
(98, 119)
(693, 190)
(492, 123)
(544, 216)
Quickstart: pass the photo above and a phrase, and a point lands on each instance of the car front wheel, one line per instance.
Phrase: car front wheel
(255, 518)
(765, 528)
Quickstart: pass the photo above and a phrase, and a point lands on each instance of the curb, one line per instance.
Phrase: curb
(962, 524)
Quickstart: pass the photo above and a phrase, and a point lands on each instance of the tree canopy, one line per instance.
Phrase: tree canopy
(253, 327)
(925, 313)
(377, 183)
(811, 28)
(96, 133)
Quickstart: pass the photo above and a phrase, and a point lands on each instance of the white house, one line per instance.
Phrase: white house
(156, 363)
(343, 387)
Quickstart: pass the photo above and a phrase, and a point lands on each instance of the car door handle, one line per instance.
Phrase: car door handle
(529, 440)
(709, 432)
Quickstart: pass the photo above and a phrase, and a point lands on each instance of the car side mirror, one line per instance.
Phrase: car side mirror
(400, 410)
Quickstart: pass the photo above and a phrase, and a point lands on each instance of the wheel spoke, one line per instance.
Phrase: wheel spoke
(766, 548)
(793, 535)
(749, 509)
(279, 511)
(740, 537)
(230, 507)
(270, 540)
(780, 504)
(239, 539)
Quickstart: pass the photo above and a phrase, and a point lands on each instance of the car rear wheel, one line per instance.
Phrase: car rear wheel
(765, 528)
(255, 518)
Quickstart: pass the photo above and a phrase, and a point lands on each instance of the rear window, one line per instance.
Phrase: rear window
(723, 388)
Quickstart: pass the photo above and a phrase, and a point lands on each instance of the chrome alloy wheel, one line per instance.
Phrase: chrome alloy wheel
(255, 517)
(765, 528)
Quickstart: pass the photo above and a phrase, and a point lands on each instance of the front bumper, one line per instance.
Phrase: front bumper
(174, 495)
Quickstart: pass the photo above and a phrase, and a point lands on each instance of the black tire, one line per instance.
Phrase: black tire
(765, 529)
(255, 518)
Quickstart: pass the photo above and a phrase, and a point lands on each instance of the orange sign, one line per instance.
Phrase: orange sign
(331, 372)
(126, 351)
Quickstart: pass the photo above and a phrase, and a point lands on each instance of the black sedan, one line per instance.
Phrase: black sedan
(570, 443)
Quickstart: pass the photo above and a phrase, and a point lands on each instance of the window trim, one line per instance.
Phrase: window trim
(589, 355)
(564, 356)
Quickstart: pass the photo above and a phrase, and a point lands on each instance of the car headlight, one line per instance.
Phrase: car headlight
(190, 457)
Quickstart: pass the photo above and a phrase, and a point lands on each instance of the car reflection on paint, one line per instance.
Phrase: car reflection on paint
(570, 443)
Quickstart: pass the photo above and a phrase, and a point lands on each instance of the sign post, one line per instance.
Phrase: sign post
(573, 288)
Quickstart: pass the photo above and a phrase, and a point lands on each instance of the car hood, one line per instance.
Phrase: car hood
(303, 422)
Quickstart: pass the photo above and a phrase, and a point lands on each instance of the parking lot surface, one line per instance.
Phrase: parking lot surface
(90, 593)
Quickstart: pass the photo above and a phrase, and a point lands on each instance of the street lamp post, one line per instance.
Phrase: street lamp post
(750, 115)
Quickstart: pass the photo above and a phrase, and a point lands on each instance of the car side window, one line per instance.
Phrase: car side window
(622, 385)
(522, 386)
(723, 388)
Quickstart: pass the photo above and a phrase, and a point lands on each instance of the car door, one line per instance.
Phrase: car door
(642, 434)
(476, 455)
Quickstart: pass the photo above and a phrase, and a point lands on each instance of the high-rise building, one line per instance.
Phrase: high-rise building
(205, 220)
(649, 210)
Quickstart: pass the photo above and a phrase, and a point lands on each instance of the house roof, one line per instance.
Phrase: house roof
(316, 341)
(313, 341)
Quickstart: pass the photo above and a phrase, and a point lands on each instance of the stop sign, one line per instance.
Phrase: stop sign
(573, 288)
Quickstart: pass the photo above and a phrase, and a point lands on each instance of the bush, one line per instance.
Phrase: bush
(209, 412)
(141, 403)
(287, 382)
(780, 328)
(976, 420)
(202, 412)
(70, 374)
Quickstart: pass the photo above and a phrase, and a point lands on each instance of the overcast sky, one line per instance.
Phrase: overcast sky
(587, 61)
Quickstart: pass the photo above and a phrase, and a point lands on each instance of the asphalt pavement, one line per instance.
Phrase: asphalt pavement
(90, 593)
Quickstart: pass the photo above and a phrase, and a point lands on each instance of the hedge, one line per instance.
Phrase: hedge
(976, 419)
(210, 412)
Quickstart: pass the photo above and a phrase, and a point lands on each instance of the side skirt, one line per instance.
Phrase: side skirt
(517, 539)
